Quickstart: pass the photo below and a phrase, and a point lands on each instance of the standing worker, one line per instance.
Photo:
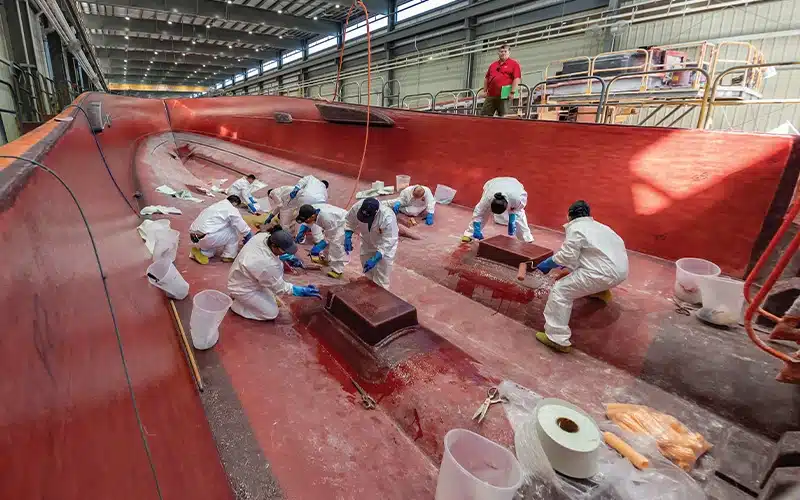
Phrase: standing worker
(415, 201)
(218, 227)
(500, 83)
(330, 220)
(377, 226)
(241, 188)
(256, 276)
(501, 194)
(597, 260)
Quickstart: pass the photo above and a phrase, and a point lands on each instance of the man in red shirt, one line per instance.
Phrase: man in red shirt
(503, 72)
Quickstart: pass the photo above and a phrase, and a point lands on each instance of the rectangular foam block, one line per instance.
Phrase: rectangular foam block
(371, 312)
(512, 252)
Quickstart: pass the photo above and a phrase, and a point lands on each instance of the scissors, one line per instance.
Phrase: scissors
(680, 308)
(493, 396)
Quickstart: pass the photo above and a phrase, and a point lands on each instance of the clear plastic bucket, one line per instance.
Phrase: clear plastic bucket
(475, 468)
(444, 194)
(166, 245)
(686, 273)
(162, 274)
(723, 299)
(210, 307)
(402, 182)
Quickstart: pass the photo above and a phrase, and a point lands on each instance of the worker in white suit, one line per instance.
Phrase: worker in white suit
(287, 200)
(256, 276)
(329, 245)
(242, 188)
(501, 195)
(377, 226)
(596, 259)
(218, 228)
(415, 201)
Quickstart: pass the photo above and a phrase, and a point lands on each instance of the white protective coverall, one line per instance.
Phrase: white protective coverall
(255, 278)
(381, 238)
(517, 198)
(240, 188)
(279, 205)
(414, 206)
(598, 261)
(223, 225)
(330, 220)
(312, 191)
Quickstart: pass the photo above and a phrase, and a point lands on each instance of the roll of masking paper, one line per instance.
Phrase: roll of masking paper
(570, 438)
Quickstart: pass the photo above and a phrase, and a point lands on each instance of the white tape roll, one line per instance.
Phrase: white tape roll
(570, 437)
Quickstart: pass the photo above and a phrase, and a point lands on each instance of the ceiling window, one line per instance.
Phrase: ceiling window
(269, 65)
(218, 86)
(418, 7)
(238, 78)
(252, 72)
(292, 56)
(322, 44)
(375, 23)
(228, 82)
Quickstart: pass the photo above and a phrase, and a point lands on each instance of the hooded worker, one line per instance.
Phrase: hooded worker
(242, 188)
(329, 245)
(597, 261)
(218, 228)
(501, 195)
(256, 276)
(287, 200)
(415, 201)
(377, 226)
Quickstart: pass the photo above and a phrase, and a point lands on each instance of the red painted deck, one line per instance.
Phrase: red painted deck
(280, 402)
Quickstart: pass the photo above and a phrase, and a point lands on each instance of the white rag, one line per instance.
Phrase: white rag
(149, 228)
(160, 209)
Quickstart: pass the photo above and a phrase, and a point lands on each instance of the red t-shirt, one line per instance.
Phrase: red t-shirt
(500, 74)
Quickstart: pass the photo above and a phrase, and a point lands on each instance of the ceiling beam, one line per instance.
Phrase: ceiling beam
(134, 42)
(131, 77)
(373, 6)
(188, 60)
(231, 12)
(113, 65)
(166, 80)
(188, 30)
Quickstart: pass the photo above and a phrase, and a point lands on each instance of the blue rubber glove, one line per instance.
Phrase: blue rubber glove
(294, 192)
(429, 219)
(252, 200)
(252, 208)
(476, 230)
(396, 207)
(372, 262)
(548, 265)
(318, 248)
(269, 218)
(247, 237)
(291, 260)
(301, 233)
(348, 241)
(305, 291)
(512, 224)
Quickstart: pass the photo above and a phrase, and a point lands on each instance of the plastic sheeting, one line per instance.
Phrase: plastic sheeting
(616, 479)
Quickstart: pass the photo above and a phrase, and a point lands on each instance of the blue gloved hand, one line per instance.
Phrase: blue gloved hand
(301, 233)
(396, 207)
(512, 224)
(252, 200)
(318, 248)
(547, 265)
(305, 291)
(247, 237)
(269, 218)
(429, 219)
(372, 262)
(294, 192)
(348, 241)
(476, 230)
(291, 260)
(252, 208)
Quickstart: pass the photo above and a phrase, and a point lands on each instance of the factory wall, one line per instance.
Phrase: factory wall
(718, 201)
(6, 98)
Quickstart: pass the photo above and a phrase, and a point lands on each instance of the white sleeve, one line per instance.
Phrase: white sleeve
(351, 221)
(236, 220)
(302, 183)
(274, 281)
(431, 201)
(389, 236)
(518, 205)
(481, 209)
(570, 250)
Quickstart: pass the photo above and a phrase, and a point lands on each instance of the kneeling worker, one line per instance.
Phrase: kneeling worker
(414, 201)
(598, 261)
(501, 194)
(218, 227)
(330, 220)
(256, 276)
(241, 188)
(377, 226)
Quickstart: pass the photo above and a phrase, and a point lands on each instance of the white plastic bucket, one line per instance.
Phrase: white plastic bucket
(723, 299)
(166, 245)
(162, 274)
(444, 194)
(686, 273)
(210, 307)
(475, 468)
(402, 182)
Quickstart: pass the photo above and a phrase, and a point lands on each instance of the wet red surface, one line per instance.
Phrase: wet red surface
(292, 377)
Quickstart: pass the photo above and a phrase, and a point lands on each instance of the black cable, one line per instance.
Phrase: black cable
(103, 156)
(113, 315)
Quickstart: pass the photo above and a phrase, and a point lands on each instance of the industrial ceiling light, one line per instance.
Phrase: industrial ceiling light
(280, 12)
(230, 46)
(337, 5)
(169, 22)
(249, 32)
(208, 26)
(156, 53)
(127, 18)
(281, 37)
(215, 57)
(126, 60)
(315, 18)
(127, 37)
(256, 49)
(193, 43)
(176, 63)
(204, 65)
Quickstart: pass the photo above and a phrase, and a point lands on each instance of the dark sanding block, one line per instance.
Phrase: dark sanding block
(512, 252)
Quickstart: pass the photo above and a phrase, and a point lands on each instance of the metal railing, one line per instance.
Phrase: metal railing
(426, 95)
(457, 107)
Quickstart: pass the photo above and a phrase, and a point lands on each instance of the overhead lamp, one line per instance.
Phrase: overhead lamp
(208, 26)
(249, 32)
(176, 63)
(256, 49)
(315, 18)
(281, 37)
(127, 37)
(151, 61)
(156, 53)
(204, 65)
(169, 22)
(337, 5)
(126, 60)
(230, 46)
(194, 42)
(280, 12)
(215, 57)
(127, 18)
